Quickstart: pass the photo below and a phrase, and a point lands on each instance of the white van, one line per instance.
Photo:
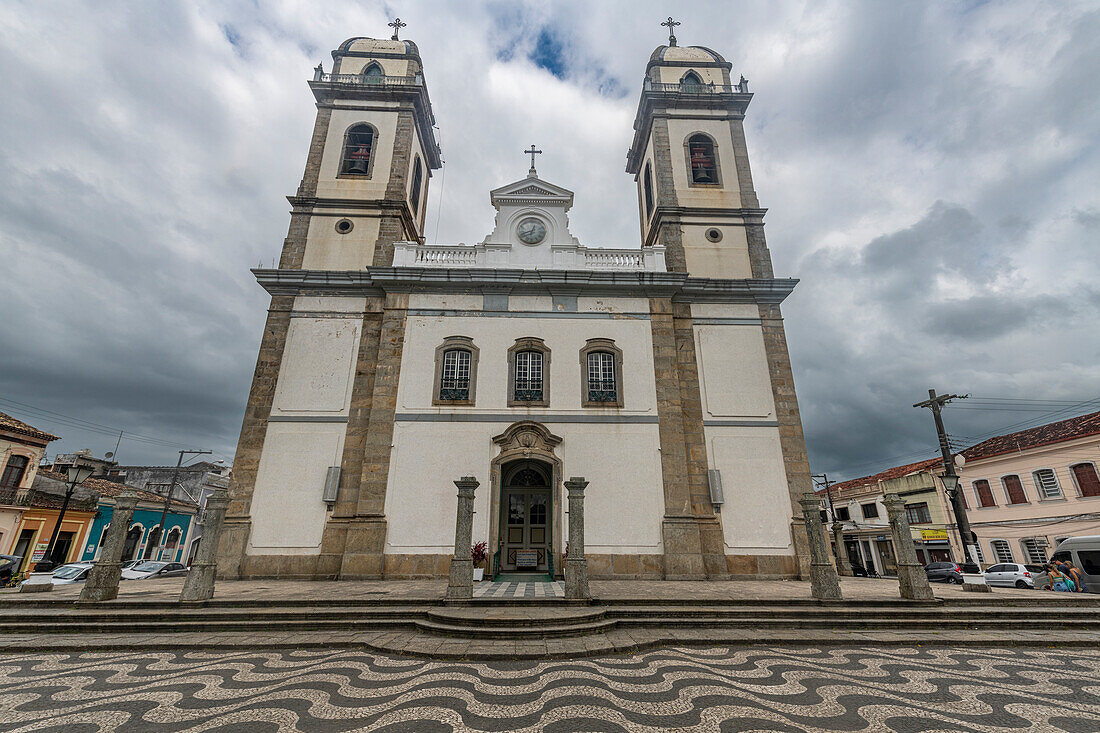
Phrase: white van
(1084, 553)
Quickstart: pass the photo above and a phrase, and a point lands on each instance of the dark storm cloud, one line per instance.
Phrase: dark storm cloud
(929, 170)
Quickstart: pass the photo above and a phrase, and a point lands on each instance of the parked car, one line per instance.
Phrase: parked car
(1084, 553)
(154, 569)
(131, 563)
(1013, 574)
(74, 572)
(944, 572)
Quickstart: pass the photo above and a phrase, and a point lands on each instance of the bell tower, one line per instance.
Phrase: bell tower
(691, 165)
(372, 153)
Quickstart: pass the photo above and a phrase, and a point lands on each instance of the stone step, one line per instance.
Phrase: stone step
(514, 618)
(462, 631)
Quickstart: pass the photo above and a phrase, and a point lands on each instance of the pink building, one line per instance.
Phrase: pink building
(1027, 491)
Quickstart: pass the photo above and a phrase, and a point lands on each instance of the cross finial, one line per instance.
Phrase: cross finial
(532, 152)
(397, 25)
(671, 25)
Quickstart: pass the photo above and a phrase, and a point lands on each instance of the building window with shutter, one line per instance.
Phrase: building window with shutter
(918, 513)
(870, 511)
(1047, 484)
(1088, 483)
(358, 150)
(1034, 551)
(14, 472)
(601, 374)
(455, 372)
(1014, 489)
(529, 373)
(984, 493)
(978, 549)
(1002, 551)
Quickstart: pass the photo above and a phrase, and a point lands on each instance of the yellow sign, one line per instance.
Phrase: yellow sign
(933, 534)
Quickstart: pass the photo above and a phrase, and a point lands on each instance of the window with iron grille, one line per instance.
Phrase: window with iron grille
(985, 494)
(601, 377)
(1035, 552)
(918, 513)
(1002, 551)
(358, 147)
(455, 384)
(1047, 483)
(1014, 489)
(1088, 483)
(13, 472)
(870, 511)
(528, 376)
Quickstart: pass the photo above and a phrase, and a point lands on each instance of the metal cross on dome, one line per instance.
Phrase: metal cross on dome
(397, 25)
(671, 25)
(532, 152)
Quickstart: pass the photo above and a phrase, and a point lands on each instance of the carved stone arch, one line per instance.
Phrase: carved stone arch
(708, 154)
(526, 440)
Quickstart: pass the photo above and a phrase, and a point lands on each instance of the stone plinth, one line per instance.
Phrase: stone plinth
(461, 583)
(824, 583)
(102, 583)
(199, 584)
(912, 580)
(576, 566)
(843, 564)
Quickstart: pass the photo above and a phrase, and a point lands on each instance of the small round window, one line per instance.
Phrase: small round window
(714, 235)
(344, 226)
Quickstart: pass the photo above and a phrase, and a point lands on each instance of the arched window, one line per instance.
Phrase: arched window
(602, 367)
(455, 371)
(702, 160)
(418, 180)
(647, 186)
(358, 149)
(691, 82)
(173, 541)
(373, 74)
(1088, 483)
(529, 373)
(1002, 551)
(151, 544)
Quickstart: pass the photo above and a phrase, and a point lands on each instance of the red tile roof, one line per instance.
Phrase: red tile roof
(896, 472)
(103, 487)
(1055, 432)
(7, 422)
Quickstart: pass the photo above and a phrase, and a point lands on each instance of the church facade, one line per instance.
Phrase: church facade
(389, 366)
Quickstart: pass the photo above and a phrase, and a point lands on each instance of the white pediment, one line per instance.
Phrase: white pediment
(532, 187)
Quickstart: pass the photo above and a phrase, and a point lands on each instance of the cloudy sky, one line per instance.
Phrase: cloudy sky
(931, 171)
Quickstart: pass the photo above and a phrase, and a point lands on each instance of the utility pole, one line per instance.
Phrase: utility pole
(935, 403)
(168, 498)
(843, 563)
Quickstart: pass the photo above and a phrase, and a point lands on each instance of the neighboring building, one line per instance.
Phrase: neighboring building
(143, 533)
(41, 507)
(22, 448)
(857, 505)
(194, 485)
(390, 367)
(1027, 491)
(62, 462)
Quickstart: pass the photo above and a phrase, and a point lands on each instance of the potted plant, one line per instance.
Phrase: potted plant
(479, 553)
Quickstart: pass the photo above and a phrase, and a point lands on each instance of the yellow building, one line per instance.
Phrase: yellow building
(22, 447)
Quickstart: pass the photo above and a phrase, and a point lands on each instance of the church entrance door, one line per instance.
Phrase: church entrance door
(526, 514)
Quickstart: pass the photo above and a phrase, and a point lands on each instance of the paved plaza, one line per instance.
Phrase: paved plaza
(712, 689)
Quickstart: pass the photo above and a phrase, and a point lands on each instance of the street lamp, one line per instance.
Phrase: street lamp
(77, 474)
(951, 489)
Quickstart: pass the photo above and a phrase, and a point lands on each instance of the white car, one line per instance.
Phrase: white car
(74, 572)
(154, 569)
(1015, 575)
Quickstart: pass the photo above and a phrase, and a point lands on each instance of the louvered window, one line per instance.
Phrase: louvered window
(647, 185)
(417, 182)
(1014, 490)
(1036, 552)
(978, 549)
(1047, 484)
(1088, 483)
(1001, 550)
(985, 494)
(704, 163)
(455, 384)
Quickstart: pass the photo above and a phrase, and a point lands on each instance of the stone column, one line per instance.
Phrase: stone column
(824, 583)
(461, 584)
(199, 584)
(843, 565)
(912, 580)
(102, 583)
(576, 566)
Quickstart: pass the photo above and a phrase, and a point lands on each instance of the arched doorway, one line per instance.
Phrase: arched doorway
(133, 539)
(526, 517)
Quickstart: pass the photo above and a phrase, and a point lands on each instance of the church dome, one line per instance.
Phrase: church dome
(691, 54)
(362, 44)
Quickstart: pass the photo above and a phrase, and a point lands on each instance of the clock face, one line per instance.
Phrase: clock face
(530, 231)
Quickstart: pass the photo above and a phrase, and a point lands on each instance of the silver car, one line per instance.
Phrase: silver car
(1015, 575)
(154, 569)
(74, 572)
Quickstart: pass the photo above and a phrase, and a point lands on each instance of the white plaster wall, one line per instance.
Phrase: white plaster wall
(623, 509)
(724, 310)
(375, 186)
(727, 195)
(531, 302)
(674, 74)
(728, 258)
(757, 511)
(445, 301)
(495, 335)
(327, 249)
(733, 372)
(612, 305)
(288, 514)
(318, 366)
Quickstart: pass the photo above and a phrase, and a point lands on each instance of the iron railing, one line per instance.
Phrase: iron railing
(367, 80)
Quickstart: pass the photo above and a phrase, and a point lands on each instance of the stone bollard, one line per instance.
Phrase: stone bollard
(461, 583)
(824, 583)
(102, 583)
(199, 584)
(912, 580)
(843, 564)
(576, 565)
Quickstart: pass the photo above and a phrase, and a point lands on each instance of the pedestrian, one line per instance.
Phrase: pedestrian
(1059, 581)
(1077, 575)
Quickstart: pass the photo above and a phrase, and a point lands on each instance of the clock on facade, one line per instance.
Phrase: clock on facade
(531, 231)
